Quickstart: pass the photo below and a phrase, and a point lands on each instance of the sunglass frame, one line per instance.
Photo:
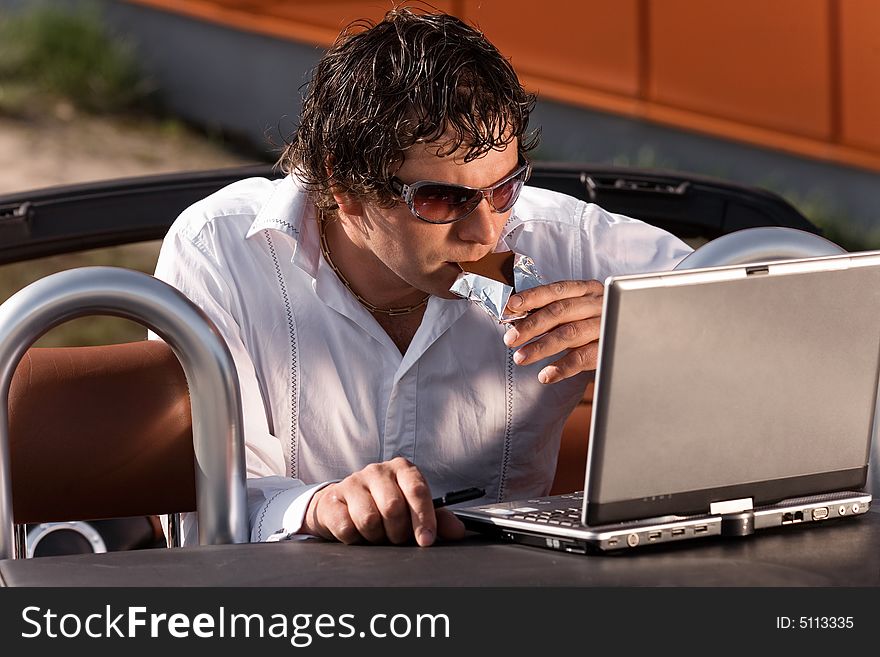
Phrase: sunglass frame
(407, 192)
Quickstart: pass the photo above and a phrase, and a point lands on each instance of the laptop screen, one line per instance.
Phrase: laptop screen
(735, 382)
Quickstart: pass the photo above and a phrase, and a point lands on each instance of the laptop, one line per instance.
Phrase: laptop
(728, 400)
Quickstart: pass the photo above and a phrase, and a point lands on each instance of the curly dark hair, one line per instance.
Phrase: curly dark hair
(413, 77)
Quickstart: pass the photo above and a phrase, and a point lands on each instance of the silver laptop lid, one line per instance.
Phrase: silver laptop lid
(764, 386)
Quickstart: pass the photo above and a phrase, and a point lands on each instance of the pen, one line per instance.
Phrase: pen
(458, 496)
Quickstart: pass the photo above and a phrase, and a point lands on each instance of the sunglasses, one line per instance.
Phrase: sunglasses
(444, 203)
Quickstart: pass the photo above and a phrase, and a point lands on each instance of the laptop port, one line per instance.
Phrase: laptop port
(786, 518)
(798, 516)
(678, 531)
(820, 513)
(701, 529)
(612, 542)
(655, 536)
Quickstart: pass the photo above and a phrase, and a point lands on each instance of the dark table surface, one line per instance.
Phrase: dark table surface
(835, 553)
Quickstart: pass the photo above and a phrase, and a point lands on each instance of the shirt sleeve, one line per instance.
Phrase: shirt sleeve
(276, 510)
(616, 245)
(276, 503)
(277, 507)
(572, 240)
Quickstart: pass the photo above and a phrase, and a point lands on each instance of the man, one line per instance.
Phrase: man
(367, 386)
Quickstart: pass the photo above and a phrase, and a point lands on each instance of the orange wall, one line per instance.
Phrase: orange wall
(860, 73)
(795, 75)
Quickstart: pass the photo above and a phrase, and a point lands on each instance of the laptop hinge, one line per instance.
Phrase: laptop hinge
(731, 506)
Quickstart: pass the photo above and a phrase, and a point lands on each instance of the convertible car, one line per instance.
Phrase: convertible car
(101, 438)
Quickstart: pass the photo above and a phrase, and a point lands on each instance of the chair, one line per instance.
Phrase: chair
(57, 468)
(760, 244)
(116, 418)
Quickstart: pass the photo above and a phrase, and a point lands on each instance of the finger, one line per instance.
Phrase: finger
(540, 296)
(566, 336)
(333, 518)
(365, 515)
(418, 496)
(550, 316)
(582, 359)
(392, 506)
(449, 527)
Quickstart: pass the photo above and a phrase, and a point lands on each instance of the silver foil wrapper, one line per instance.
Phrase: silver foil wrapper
(492, 295)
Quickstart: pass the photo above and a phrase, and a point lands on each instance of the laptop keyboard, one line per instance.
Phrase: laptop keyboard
(553, 510)
(570, 517)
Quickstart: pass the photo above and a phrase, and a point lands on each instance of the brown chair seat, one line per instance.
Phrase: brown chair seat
(100, 432)
(571, 465)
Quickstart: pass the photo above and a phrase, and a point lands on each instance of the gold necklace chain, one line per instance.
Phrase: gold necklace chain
(325, 249)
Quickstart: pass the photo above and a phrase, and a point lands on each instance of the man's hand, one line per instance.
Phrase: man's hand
(387, 501)
(567, 315)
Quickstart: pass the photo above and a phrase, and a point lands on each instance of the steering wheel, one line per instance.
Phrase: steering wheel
(760, 245)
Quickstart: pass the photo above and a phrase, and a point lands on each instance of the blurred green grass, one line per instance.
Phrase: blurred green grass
(834, 223)
(48, 50)
(86, 331)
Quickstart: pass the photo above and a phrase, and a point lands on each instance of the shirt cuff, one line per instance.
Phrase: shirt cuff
(283, 514)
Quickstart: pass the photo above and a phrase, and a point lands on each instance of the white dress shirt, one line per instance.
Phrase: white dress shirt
(325, 391)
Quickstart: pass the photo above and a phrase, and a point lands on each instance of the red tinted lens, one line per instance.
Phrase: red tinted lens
(504, 196)
(442, 203)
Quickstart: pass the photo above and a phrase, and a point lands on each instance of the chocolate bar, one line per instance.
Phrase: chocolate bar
(497, 266)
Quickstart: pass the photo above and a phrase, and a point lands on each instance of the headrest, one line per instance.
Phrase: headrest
(100, 432)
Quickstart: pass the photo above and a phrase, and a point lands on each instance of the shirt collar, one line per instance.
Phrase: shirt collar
(509, 233)
(291, 211)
